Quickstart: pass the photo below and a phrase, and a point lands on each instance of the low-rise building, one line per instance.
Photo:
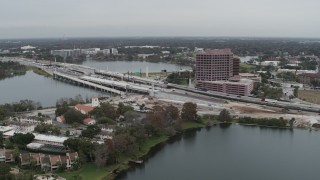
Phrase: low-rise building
(49, 139)
(308, 78)
(242, 87)
(34, 120)
(83, 108)
(6, 155)
(89, 121)
(61, 119)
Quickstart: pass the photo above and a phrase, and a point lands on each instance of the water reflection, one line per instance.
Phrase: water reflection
(224, 125)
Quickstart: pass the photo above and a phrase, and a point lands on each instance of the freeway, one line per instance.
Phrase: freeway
(280, 104)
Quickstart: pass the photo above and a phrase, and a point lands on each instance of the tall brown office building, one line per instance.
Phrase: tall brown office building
(218, 70)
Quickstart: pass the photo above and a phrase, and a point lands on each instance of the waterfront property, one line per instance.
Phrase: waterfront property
(53, 162)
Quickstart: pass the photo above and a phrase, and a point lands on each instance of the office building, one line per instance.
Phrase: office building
(218, 70)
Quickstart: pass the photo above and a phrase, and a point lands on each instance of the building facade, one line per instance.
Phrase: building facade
(218, 70)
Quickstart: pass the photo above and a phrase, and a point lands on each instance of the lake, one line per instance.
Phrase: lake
(40, 89)
(235, 152)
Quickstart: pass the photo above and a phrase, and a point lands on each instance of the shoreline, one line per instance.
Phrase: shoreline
(158, 146)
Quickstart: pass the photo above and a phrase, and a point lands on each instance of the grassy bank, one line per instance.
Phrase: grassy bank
(89, 170)
(38, 71)
(311, 96)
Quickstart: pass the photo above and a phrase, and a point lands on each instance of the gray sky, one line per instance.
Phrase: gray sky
(106, 18)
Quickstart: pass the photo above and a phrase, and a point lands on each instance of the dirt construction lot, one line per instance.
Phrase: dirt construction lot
(250, 108)
(312, 96)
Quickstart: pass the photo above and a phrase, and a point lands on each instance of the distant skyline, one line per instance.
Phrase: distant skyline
(104, 18)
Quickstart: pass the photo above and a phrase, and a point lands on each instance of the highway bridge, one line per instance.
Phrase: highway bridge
(126, 77)
(118, 85)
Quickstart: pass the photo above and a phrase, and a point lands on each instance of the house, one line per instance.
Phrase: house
(44, 161)
(83, 108)
(2, 155)
(36, 158)
(73, 157)
(103, 135)
(89, 121)
(6, 155)
(25, 159)
(66, 161)
(51, 162)
(61, 119)
(55, 162)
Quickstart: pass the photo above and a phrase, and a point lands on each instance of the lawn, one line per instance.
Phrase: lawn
(244, 67)
(192, 125)
(309, 96)
(87, 171)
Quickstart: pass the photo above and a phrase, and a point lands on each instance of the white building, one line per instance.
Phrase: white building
(90, 51)
(95, 102)
(34, 120)
(114, 51)
(66, 52)
(4, 129)
(49, 139)
(268, 63)
(106, 51)
(28, 47)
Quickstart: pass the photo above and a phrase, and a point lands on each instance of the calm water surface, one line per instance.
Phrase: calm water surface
(40, 89)
(235, 153)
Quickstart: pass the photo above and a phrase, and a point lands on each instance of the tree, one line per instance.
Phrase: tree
(22, 139)
(91, 131)
(157, 117)
(172, 113)
(131, 116)
(5, 171)
(291, 122)
(122, 109)
(189, 111)
(1, 139)
(101, 155)
(295, 91)
(73, 116)
(67, 133)
(45, 128)
(224, 116)
(82, 146)
(105, 110)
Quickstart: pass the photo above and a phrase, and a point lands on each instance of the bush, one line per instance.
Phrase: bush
(264, 122)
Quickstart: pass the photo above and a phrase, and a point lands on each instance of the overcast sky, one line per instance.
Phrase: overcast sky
(106, 18)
